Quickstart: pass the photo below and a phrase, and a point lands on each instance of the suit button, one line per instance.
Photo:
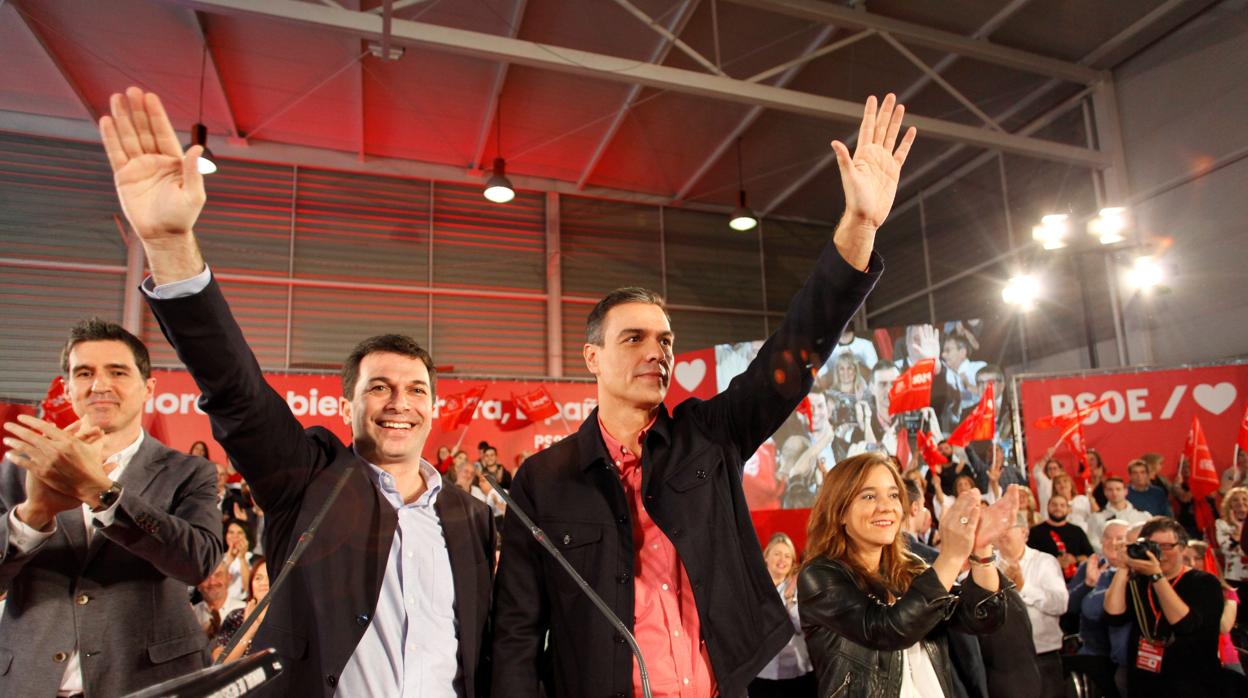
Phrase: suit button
(331, 680)
(362, 619)
(622, 579)
(675, 532)
(619, 694)
(60, 657)
(567, 538)
(701, 474)
(619, 638)
(622, 520)
(82, 599)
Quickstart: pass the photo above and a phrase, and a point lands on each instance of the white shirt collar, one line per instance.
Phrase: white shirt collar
(123, 457)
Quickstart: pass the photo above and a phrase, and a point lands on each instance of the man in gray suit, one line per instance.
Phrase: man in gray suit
(102, 528)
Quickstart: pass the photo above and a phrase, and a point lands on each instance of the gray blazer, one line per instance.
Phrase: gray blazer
(122, 599)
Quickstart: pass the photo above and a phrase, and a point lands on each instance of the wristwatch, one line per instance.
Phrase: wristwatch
(108, 498)
(988, 560)
(1154, 578)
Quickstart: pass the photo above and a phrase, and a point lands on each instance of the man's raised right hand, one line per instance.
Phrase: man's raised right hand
(160, 188)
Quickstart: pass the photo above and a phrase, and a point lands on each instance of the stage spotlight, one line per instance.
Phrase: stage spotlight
(1021, 290)
(1108, 226)
(1145, 274)
(1052, 231)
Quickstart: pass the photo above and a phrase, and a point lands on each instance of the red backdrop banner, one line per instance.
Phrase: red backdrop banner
(173, 416)
(1148, 410)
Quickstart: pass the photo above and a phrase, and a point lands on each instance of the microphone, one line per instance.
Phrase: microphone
(602, 606)
(229, 681)
(301, 545)
(260, 667)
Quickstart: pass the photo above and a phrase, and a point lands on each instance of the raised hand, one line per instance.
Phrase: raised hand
(160, 187)
(958, 525)
(998, 517)
(870, 176)
(1092, 571)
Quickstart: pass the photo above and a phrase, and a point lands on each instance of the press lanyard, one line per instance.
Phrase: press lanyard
(1153, 605)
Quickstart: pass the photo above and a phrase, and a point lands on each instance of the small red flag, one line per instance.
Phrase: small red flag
(57, 408)
(459, 409)
(913, 389)
(903, 447)
(980, 424)
(1065, 419)
(1243, 431)
(512, 417)
(537, 404)
(931, 454)
(1202, 479)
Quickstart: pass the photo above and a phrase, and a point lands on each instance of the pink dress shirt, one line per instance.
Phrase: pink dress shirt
(665, 620)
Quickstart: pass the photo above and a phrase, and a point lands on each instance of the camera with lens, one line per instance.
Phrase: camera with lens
(1140, 549)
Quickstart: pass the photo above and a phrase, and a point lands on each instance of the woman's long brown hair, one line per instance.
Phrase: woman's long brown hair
(826, 534)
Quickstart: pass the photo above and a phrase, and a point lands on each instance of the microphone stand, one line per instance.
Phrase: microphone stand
(301, 545)
(606, 611)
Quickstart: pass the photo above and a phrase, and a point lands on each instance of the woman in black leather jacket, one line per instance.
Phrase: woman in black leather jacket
(875, 616)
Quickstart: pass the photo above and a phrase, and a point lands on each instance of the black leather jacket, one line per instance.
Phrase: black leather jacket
(856, 639)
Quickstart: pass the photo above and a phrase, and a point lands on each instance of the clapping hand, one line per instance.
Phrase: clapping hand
(998, 517)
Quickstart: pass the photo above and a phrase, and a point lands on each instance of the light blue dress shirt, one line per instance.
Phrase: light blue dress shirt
(410, 647)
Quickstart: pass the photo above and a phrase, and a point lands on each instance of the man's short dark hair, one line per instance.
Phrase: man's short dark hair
(913, 493)
(489, 448)
(960, 340)
(884, 365)
(620, 296)
(1137, 463)
(96, 330)
(1158, 524)
(990, 370)
(399, 344)
(1114, 478)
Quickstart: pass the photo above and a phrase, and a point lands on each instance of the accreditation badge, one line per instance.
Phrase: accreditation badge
(1148, 657)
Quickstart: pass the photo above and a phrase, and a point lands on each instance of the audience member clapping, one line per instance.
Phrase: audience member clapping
(1038, 578)
(256, 592)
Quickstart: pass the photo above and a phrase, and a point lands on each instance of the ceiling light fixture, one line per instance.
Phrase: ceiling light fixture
(1021, 290)
(199, 132)
(1108, 226)
(742, 217)
(1052, 231)
(498, 188)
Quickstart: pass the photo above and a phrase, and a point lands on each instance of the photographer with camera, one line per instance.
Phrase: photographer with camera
(1173, 611)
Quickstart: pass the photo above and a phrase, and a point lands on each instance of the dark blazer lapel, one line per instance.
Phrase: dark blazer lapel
(134, 480)
(457, 530)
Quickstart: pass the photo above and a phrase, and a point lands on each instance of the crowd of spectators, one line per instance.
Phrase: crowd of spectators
(1123, 594)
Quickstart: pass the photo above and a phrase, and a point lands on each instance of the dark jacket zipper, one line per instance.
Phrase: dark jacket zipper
(844, 685)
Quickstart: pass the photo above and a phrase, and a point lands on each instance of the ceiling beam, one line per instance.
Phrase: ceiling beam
(752, 115)
(671, 37)
(848, 18)
(904, 96)
(218, 84)
(664, 47)
(496, 92)
(573, 61)
(1138, 28)
(56, 61)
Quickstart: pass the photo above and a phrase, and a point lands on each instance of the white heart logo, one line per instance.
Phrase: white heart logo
(1214, 398)
(689, 374)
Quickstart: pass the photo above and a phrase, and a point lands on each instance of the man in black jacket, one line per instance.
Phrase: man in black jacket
(392, 596)
(649, 507)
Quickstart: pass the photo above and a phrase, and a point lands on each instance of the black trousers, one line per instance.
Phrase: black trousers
(1100, 670)
(803, 686)
(1052, 681)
